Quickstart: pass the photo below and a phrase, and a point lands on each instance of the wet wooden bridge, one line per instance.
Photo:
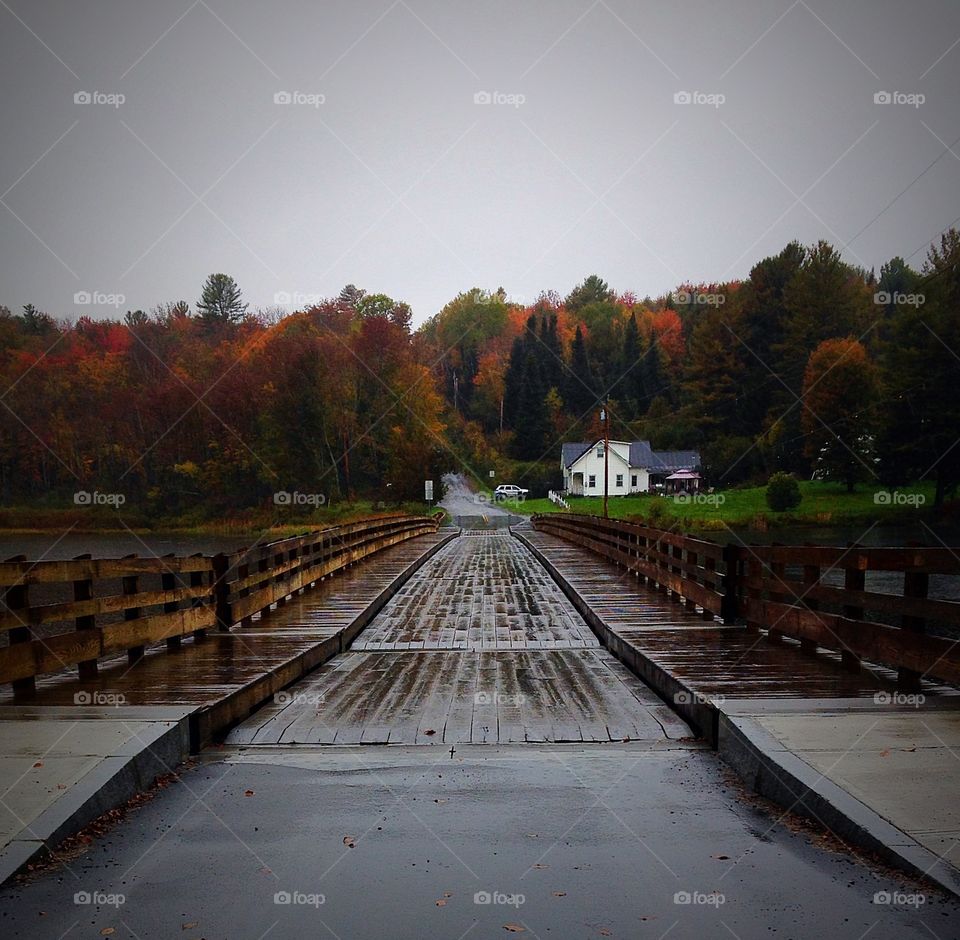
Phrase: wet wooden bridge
(536, 634)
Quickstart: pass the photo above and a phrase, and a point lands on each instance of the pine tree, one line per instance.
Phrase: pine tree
(580, 392)
(631, 387)
(220, 300)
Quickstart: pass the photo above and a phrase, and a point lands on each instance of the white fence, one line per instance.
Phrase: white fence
(558, 499)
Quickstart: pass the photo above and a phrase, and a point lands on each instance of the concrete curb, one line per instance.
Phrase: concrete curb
(776, 773)
(762, 762)
(110, 784)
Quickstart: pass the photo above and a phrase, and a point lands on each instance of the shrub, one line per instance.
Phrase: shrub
(783, 492)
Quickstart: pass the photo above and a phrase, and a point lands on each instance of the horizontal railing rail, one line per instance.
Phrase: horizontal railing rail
(817, 595)
(56, 615)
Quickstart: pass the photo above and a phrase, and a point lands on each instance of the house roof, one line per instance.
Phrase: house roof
(570, 453)
(641, 455)
(672, 460)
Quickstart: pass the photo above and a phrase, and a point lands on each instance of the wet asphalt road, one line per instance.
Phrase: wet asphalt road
(559, 841)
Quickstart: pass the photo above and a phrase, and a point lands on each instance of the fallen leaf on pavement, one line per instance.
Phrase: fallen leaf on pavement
(514, 928)
(248, 792)
(350, 841)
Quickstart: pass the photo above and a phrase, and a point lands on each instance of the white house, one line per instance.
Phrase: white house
(633, 467)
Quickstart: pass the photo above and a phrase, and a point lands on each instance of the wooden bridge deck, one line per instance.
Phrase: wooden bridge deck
(714, 659)
(480, 646)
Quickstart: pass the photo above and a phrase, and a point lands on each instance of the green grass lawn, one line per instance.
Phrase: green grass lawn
(823, 504)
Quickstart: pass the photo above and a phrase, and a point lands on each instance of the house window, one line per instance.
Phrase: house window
(591, 481)
(633, 481)
(600, 452)
(619, 479)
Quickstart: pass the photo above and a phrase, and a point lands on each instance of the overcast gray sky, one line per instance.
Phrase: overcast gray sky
(384, 170)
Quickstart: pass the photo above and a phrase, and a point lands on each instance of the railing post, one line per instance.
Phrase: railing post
(811, 577)
(710, 581)
(196, 580)
(221, 592)
(754, 592)
(689, 576)
(915, 584)
(854, 579)
(16, 600)
(168, 582)
(83, 591)
(777, 572)
(730, 584)
(130, 586)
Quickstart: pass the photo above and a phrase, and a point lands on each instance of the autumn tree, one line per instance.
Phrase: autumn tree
(839, 392)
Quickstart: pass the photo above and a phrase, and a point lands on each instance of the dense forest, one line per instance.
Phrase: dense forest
(809, 365)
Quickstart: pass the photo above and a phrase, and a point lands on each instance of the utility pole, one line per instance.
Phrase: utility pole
(605, 418)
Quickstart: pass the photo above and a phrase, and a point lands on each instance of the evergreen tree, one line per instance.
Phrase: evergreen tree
(631, 386)
(220, 300)
(532, 420)
(580, 392)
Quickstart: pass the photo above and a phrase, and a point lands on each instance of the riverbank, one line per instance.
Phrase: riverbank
(823, 504)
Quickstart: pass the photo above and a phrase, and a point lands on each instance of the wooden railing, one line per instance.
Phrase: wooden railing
(60, 614)
(814, 594)
(686, 568)
(787, 590)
